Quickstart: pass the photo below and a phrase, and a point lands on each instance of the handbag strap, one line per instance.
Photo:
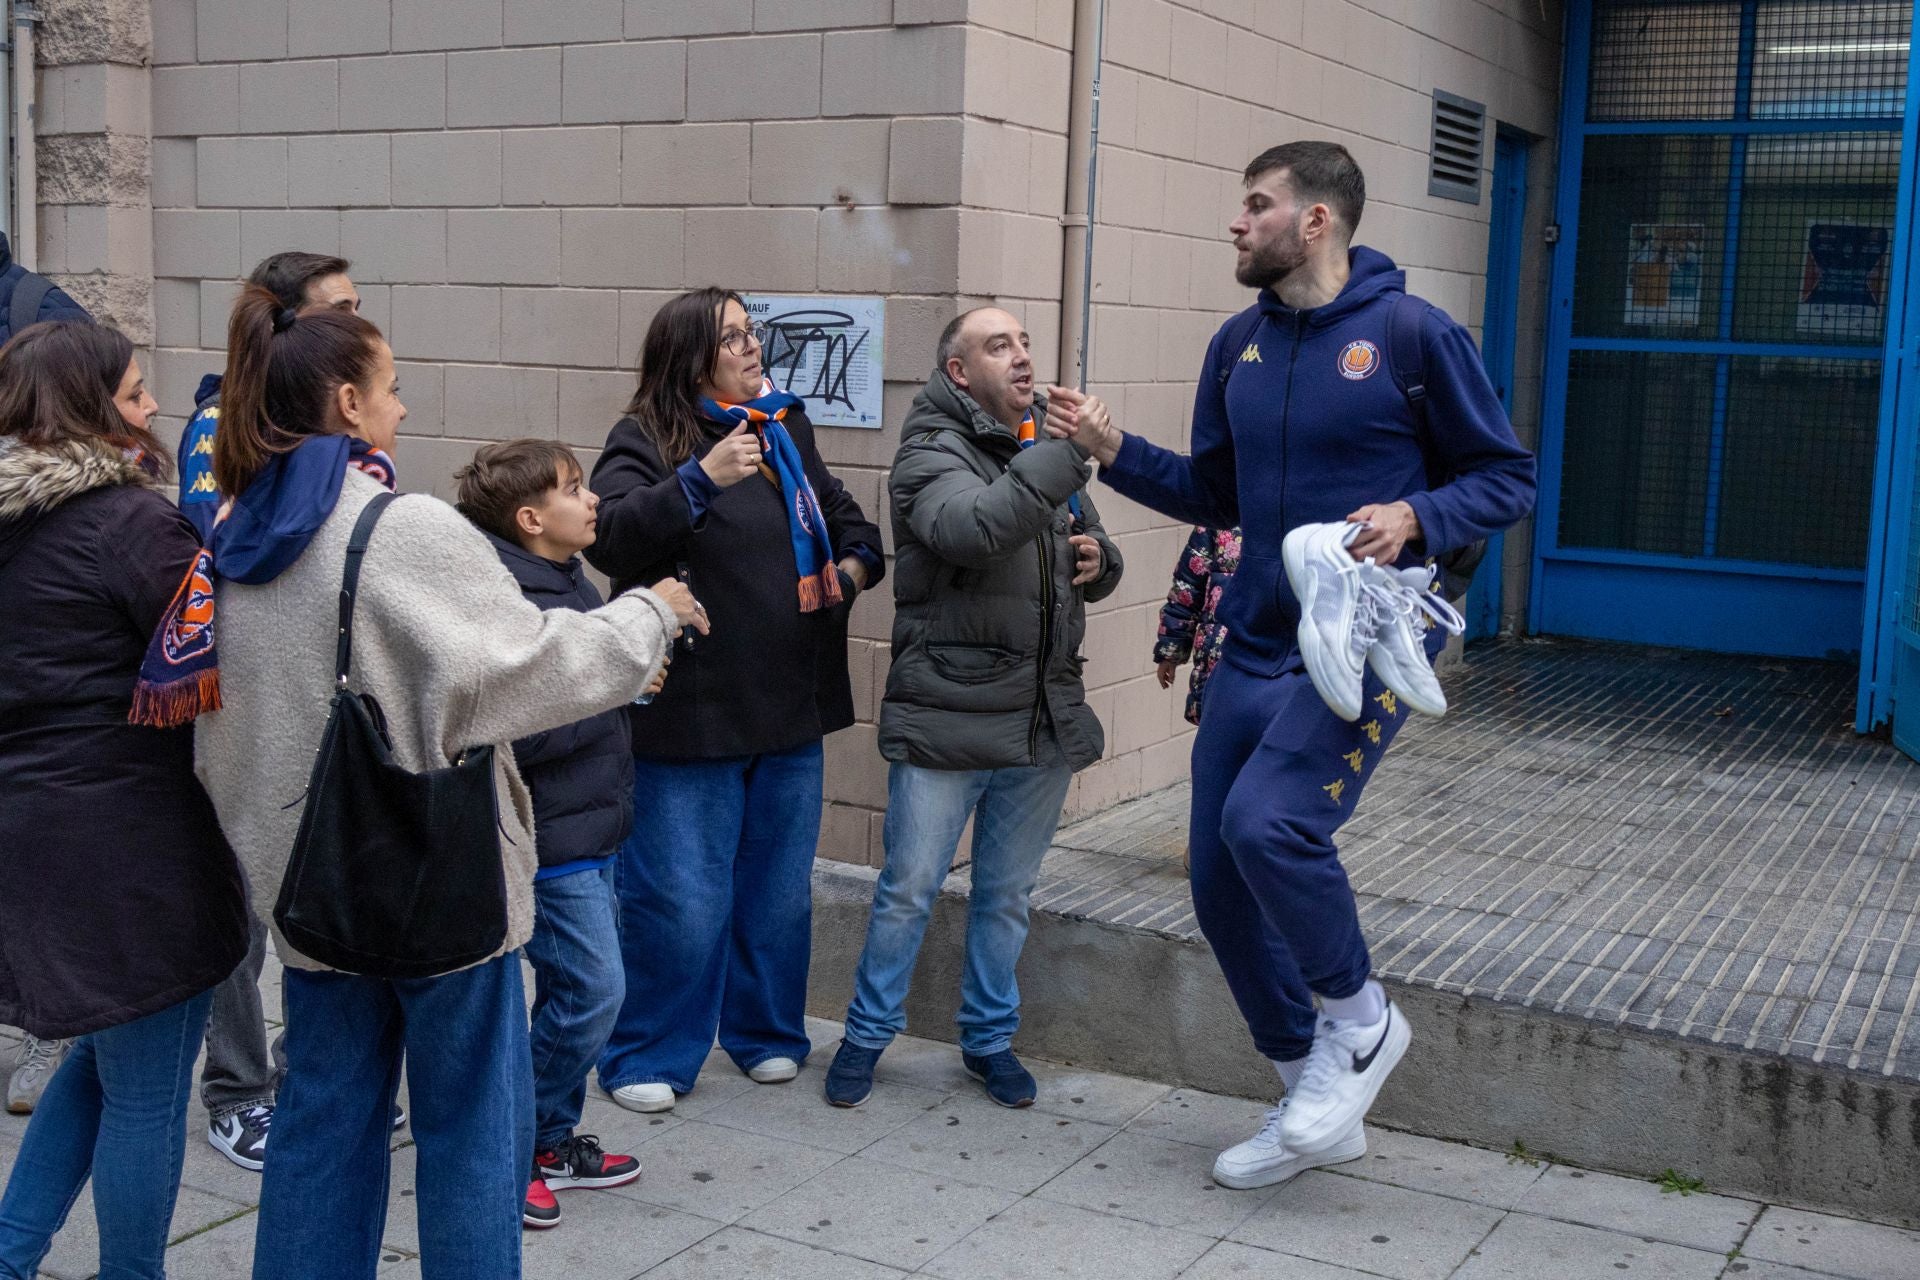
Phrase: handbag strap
(350, 582)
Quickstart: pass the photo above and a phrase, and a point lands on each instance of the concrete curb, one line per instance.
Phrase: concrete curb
(1613, 1098)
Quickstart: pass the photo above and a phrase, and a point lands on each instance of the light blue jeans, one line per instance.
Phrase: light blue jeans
(116, 1110)
(1015, 812)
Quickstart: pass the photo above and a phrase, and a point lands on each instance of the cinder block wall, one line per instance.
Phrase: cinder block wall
(1190, 92)
(521, 183)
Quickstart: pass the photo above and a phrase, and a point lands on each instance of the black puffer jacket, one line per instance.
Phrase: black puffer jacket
(118, 895)
(987, 623)
(581, 774)
(769, 678)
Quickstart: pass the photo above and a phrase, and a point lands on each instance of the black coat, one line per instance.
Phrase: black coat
(118, 895)
(988, 625)
(581, 774)
(769, 678)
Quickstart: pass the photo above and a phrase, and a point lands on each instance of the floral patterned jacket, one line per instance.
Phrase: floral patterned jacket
(1187, 626)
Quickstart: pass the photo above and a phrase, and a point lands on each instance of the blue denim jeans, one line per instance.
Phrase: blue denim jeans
(716, 914)
(578, 985)
(116, 1109)
(323, 1196)
(1015, 812)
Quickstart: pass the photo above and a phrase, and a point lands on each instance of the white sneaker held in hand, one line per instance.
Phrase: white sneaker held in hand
(1407, 607)
(1347, 1065)
(1265, 1159)
(1338, 620)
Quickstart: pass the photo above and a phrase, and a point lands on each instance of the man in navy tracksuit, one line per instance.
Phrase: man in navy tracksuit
(1299, 419)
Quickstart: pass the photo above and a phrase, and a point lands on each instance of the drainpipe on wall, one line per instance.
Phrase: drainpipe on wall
(1083, 153)
(25, 228)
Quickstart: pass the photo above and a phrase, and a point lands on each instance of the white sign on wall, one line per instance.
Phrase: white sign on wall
(827, 351)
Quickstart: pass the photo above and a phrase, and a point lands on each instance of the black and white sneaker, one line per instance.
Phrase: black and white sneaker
(242, 1136)
(579, 1162)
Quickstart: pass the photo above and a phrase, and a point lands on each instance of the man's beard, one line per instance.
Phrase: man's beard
(1268, 266)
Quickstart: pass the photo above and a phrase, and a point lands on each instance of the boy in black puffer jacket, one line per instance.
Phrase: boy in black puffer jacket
(531, 500)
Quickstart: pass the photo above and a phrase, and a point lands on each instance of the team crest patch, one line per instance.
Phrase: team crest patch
(1358, 360)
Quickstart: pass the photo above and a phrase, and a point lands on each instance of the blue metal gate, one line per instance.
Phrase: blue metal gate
(1730, 171)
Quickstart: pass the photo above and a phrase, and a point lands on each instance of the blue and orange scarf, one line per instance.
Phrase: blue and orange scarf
(1029, 437)
(267, 529)
(806, 523)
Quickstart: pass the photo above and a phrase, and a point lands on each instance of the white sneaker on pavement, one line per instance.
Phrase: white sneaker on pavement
(774, 1071)
(1338, 620)
(1408, 608)
(1347, 1065)
(1265, 1159)
(33, 1065)
(645, 1097)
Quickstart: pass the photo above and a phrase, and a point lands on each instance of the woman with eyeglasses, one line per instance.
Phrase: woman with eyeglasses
(713, 476)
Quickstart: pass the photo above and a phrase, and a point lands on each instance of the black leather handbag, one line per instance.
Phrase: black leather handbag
(394, 874)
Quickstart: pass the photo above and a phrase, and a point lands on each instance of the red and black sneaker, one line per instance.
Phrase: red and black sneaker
(579, 1162)
(541, 1210)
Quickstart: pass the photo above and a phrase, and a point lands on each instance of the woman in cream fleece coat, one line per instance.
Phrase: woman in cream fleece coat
(443, 638)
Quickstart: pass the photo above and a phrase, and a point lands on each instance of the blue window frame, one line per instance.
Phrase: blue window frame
(1728, 195)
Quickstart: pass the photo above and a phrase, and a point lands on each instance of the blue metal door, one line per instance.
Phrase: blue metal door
(1730, 171)
(1890, 644)
(1497, 328)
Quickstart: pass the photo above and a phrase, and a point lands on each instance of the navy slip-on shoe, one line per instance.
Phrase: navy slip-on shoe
(1008, 1083)
(850, 1078)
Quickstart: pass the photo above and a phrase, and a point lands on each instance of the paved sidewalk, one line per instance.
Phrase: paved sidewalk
(1105, 1178)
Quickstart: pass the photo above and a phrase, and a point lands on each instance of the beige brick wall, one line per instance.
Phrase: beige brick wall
(1190, 92)
(521, 183)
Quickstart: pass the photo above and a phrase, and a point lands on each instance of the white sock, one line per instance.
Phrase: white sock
(1291, 1071)
(1366, 1006)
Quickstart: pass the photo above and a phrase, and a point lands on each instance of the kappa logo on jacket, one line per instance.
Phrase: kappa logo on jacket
(1358, 360)
(1252, 354)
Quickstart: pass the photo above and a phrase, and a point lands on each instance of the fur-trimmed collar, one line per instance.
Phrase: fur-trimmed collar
(36, 478)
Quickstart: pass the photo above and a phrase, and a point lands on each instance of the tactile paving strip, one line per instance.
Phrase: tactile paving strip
(1690, 843)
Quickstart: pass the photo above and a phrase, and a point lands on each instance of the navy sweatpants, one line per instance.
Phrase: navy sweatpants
(1275, 774)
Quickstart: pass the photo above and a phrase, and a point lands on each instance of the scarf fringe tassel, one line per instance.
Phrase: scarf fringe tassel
(168, 706)
(821, 590)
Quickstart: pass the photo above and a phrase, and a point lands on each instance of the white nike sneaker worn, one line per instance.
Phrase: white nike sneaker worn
(1345, 1069)
(645, 1097)
(1407, 608)
(1265, 1159)
(1338, 620)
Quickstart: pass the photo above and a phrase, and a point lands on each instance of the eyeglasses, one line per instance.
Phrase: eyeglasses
(735, 340)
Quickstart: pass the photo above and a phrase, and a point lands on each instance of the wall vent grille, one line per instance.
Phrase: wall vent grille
(1459, 147)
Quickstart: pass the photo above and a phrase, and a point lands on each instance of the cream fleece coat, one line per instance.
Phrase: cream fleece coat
(443, 638)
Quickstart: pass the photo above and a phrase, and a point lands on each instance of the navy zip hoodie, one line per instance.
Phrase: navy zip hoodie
(1302, 423)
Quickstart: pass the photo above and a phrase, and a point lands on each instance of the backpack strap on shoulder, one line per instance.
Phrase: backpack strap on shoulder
(28, 293)
(1407, 355)
(1242, 330)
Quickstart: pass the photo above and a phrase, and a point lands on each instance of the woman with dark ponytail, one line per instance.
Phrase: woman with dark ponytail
(120, 902)
(456, 658)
